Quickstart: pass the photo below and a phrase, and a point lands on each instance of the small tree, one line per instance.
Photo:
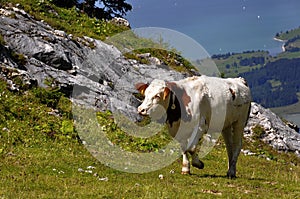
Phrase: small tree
(105, 8)
(101, 9)
(65, 3)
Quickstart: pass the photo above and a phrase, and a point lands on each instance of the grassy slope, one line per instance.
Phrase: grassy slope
(40, 158)
(289, 34)
(234, 71)
(51, 171)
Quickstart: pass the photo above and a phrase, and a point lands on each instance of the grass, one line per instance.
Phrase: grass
(52, 172)
(234, 62)
(41, 159)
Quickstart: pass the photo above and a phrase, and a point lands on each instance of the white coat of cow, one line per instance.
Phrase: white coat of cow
(192, 106)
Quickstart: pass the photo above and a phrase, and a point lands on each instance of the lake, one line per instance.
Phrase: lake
(221, 26)
(295, 118)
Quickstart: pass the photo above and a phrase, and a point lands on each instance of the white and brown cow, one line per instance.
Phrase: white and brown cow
(196, 105)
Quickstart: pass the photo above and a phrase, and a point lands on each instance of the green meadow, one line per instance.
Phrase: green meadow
(43, 157)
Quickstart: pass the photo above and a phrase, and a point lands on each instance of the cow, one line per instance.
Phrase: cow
(196, 105)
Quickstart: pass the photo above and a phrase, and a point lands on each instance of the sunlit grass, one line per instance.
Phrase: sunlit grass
(38, 164)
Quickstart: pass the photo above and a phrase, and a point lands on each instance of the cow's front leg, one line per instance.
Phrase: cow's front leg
(185, 163)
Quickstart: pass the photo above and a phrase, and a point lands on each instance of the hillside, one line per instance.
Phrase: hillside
(276, 84)
(43, 153)
(274, 80)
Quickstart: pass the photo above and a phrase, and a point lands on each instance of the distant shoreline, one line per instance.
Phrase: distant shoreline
(282, 41)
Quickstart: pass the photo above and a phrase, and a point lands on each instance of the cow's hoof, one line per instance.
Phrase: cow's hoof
(198, 164)
(231, 175)
(185, 172)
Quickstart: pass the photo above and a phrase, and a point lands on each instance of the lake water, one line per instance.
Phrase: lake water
(221, 26)
(295, 118)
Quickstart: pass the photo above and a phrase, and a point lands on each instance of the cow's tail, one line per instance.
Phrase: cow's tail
(248, 114)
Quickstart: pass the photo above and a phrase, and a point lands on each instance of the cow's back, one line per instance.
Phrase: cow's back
(229, 100)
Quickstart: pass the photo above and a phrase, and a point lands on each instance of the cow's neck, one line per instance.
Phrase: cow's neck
(173, 110)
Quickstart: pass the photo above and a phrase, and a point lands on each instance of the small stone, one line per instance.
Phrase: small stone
(104, 179)
(5, 129)
(160, 176)
(80, 170)
(91, 167)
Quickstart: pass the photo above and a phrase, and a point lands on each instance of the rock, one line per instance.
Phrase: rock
(148, 57)
(120, 21)
(98, 77)
(293, 126)
(277, 133)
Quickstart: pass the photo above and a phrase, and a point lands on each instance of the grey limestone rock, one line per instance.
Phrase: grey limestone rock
(277, 133)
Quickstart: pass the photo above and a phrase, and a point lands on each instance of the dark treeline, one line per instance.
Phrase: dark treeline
(289, 45)
(101, 9)
(276, 84)
(252, 61)
(227, 55)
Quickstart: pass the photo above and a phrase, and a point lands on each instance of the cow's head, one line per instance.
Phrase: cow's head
(156, 99)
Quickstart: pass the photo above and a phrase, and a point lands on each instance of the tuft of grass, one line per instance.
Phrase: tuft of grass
(129, 142)
(169, 58)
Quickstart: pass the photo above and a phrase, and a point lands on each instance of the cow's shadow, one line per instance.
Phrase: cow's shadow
(214, 176)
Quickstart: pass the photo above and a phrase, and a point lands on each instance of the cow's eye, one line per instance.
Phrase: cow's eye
(157, 97)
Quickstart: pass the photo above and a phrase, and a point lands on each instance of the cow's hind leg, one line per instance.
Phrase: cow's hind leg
(234, 145)
(228, 138)
(195, 160)
(238, 130)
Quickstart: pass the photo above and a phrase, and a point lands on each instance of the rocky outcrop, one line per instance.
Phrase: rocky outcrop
(275, 132)
(96, 74)
(92, 72)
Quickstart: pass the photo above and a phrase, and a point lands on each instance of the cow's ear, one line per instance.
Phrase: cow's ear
(166, 93)
(172, 86)
(141, 87)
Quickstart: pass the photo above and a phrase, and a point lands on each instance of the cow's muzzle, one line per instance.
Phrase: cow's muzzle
(142, 111)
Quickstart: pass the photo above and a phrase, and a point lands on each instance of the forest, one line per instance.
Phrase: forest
(276, 84)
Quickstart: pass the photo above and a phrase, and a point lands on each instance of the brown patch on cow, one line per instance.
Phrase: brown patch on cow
(166, 93)
(232, 93)
(141, 87)
(179, 92)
